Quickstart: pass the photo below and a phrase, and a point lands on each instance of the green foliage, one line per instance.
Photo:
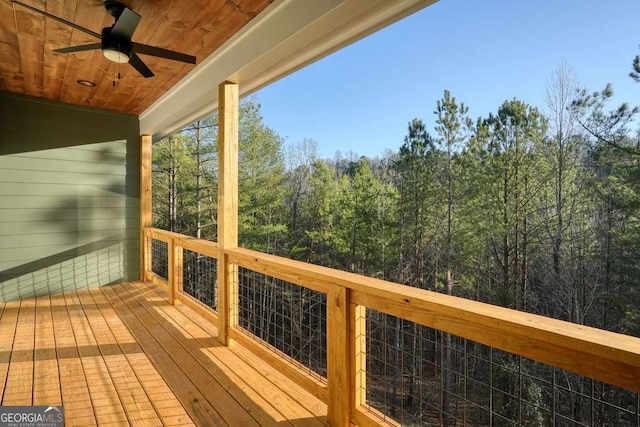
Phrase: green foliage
(415, 167)
(320, 215)
(171, 166)
(185, 180)
(261, 174)
(635, 69)
(367, 225)
(609, 127)
(507, 143)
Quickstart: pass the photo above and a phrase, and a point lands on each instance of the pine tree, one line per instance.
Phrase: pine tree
(201, 139)
(261, 174)
(415, 166)
(320, 212)
(450, 126)
(170, 183)
(367, 226)
(510, 164)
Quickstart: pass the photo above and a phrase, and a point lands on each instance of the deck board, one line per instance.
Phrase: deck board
(231, 373)
(104, 395)
(8, 328)
(73, 383)
(198, 365)
(134, 402)
(189, 395)
(121, 355)
(46, 376)
(18, 389)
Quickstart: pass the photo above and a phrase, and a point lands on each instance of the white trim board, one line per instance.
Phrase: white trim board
(286, 36)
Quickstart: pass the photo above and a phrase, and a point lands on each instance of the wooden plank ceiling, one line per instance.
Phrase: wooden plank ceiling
(28, 66)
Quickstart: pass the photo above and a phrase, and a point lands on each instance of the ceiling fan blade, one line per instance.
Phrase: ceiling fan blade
(140, 66)
(71, 49)
(126, 24)
(162, 53)
(64, 21)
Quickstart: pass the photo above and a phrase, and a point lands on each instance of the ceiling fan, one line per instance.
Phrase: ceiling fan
(115, 41)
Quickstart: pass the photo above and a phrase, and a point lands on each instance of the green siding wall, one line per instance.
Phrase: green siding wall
(69, 206)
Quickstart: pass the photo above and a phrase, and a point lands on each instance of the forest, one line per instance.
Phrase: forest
(535, 208)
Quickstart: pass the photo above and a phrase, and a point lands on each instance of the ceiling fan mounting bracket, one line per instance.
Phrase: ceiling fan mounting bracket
(114, 8)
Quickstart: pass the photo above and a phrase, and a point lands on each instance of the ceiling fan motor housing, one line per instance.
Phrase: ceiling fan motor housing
(115, 44)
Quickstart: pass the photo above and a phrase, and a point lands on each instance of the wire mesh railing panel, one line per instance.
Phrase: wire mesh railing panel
(160, 258)
(200, 278)
(289, 317)
(421, 376)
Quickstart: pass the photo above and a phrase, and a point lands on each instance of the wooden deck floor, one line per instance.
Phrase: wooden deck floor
(122, 355)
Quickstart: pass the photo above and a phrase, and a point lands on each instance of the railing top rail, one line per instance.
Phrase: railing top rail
(569, 345)
(286, 269)
(204, 247)
(160, 234)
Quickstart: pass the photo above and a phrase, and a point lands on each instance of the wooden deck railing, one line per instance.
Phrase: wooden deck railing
(605, 356)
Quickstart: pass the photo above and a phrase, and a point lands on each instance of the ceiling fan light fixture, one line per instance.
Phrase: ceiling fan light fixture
(87, 83)
(114, 55)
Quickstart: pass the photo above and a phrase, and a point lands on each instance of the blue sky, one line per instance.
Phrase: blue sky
(485, 52)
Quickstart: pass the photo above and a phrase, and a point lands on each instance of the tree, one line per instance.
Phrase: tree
(510, 140)
(614, 160)
(300, 158)
(415, 166)
(616, 197)
(367, 225)
(170, 182)
(450, 125)
(635, 69)
(201, 141)
(609, 127)
(261, 174)
(561, 200)
(319, 216)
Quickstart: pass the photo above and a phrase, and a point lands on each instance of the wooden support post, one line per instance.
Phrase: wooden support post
(175, 270)
(338, 357)
(228, 117)
(358, 354)
(145, 202)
